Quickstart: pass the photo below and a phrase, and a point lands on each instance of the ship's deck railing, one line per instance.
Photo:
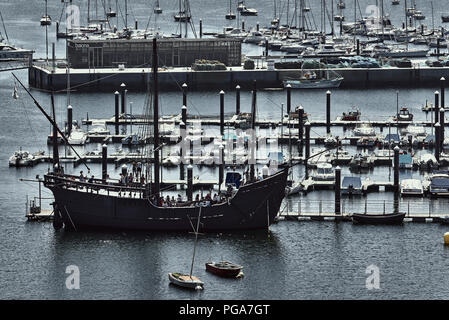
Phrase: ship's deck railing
(111, 187)
(74, 182)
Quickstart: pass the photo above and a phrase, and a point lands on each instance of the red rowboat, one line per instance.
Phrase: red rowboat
(224, 268)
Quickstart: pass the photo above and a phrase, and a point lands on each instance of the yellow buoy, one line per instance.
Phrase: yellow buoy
(446, 238)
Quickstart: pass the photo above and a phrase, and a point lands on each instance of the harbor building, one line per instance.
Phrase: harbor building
(136, 53)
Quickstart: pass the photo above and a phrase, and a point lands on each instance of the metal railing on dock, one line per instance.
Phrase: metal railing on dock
(417, 210)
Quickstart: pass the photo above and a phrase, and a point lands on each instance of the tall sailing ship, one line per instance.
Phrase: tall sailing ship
(101, 203)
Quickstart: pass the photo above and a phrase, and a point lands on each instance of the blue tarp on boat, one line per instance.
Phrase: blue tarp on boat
(392, 136)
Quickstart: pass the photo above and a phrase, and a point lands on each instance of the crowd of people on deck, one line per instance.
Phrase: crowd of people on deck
(200, 200)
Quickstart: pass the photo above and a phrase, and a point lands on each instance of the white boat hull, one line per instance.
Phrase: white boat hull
(314, 84)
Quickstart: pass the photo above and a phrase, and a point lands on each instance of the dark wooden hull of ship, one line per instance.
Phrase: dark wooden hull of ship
(254, 206)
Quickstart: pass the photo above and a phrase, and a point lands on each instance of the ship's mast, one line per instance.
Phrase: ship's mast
(156, 120)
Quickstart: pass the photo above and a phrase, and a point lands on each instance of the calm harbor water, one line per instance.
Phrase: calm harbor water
(295, 260)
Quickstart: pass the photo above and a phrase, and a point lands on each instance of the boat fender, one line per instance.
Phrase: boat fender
(446, 238)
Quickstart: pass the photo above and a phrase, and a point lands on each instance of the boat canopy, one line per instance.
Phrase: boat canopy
(392, 136)
(405, 159)
(233, 178)
(355, 182)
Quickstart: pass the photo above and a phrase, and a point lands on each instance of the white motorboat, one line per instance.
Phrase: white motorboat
(414, 130)
(77, 137)
(314, 83)
(439, 184)
(248, 11)
(427, 161)
(99, 128)
(411, 187)
(45, 20)
(21, 159)
(255, 37)
(323, 172)
(364, 130)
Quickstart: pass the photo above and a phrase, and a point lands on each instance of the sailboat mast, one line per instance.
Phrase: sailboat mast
(126, 14)
(55, 134)
(46, 31)
(156, 119)
(406, 26)
(382, 18)
(196, 240)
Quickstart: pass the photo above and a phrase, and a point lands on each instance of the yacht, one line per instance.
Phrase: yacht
(328, 49)
(248, 11)
(323, 172)
(427, 161)
(45, 20)
(21, 159)
(411, 187)
(99, 128)
(255, 37)
(439, 184)
(77, 137)
(403, 115)
(364, 130)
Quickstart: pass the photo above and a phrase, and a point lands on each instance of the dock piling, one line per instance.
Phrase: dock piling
(184, 95)
(437, 141)
(437, 103)
(184, 116)
(289, 98)
(337, 190)
(237, 100)
(117, 102)
(104, 162)
(69, 119)
(442, 82)
(123, 93)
